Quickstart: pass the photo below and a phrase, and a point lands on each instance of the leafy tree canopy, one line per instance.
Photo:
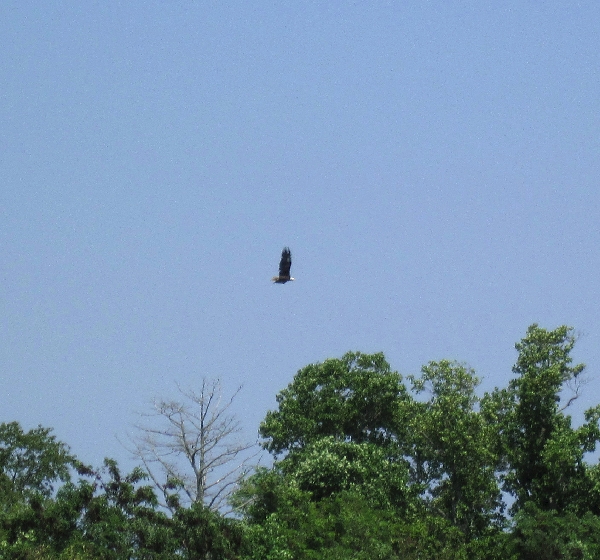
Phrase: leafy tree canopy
(354, 398)
(31, 462)
(365, 467)
(542, 455)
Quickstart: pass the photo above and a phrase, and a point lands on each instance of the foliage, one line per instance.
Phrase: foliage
(31, 463)
(452, 454)
(364, 468)
(546, 535)
(111, 516)
(349, 430)
(348, 525)
(542, 455)
(355, 398)
(327, 467)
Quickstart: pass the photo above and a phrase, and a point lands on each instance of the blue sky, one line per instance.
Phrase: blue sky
(434, 169)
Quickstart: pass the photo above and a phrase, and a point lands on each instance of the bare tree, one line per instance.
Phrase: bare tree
(192, 447)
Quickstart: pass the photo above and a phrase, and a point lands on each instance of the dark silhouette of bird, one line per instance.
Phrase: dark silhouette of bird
(284, 267)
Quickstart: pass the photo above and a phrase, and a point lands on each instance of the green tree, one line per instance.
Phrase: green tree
(340, 527)
(324, 469)
(346, 525)
(200, 533)
(104, 514)
(542, 455)
(548, 535)
(341, 483)
(356, 398)
(328, 466)
(31, 463)
(454, 461)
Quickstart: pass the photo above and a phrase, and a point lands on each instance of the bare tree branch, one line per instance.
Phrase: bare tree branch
(575, 385)
(190, 448)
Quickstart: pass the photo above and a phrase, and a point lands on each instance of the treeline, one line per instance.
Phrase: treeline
(367, 465)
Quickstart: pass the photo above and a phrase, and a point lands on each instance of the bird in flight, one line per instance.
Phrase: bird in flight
(284, 267)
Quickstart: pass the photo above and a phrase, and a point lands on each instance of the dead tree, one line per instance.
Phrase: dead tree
(190, 448)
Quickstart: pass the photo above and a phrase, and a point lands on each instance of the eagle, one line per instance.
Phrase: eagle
(284, 267)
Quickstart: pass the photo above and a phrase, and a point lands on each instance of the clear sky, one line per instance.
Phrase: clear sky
(433, 166)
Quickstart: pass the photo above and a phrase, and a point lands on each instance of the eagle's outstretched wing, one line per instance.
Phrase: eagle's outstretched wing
(285, 263)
